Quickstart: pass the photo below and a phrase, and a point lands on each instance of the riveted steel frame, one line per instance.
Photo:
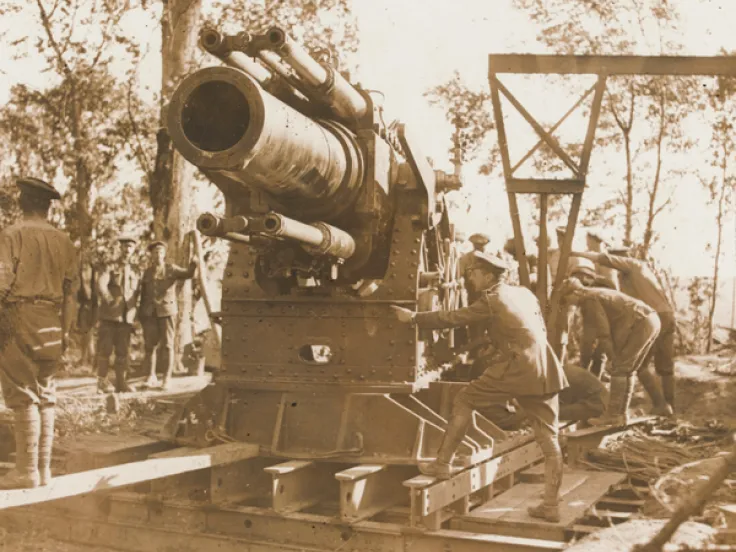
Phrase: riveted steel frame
(604, 67)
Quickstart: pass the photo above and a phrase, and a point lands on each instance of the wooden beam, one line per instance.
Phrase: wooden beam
(613, 65)
(595, 112)
(543, 134)
(513, 204)
(545, 186)
(429, 495)
(113, 477)
(553, 128)
(542, 257)
(553, 329)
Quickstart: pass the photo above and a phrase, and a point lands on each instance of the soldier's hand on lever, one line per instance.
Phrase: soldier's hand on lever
(404, 315)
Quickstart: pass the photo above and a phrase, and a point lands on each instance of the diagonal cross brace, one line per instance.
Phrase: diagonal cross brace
(553, 128)
(543, 134)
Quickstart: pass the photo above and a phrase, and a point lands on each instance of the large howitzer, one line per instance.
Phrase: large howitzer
(332, 217)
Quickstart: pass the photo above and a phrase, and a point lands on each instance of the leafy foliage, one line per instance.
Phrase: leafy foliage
(468, 112)
(326, 28)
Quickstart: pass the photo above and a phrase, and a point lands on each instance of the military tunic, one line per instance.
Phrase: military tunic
(158, 308)
(38, 267)
(624, 327)
(637, 279)
(522, 365)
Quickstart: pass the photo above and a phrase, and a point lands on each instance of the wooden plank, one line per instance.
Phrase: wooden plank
(507, 514)
(366, 490)
(545, 185)
(612, 65)
(430, 495)
(535, 474)
(299, 484)
(231, 460)
(88, 452)
(112, 477)
(522, 495)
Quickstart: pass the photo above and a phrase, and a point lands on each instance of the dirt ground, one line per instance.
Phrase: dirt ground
(706, 397)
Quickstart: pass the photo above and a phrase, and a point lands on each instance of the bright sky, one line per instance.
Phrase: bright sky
(408, 46)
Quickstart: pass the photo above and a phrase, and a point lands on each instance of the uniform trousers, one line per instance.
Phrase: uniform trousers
(30, 355)
(158, 337)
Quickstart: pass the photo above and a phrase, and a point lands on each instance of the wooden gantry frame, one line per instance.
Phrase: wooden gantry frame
(603, 67)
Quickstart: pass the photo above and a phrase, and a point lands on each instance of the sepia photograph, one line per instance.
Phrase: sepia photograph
(367, 275)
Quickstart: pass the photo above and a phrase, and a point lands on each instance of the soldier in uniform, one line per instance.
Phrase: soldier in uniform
(479, 241)
(39, 277)
(522, 367)
(625, 329)
(158, 310)
(637, 280)
(118, 294)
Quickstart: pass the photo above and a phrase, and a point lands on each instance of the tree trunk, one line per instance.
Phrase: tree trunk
(652, 211)
(717, 261)
(629, 189)
(171, 181)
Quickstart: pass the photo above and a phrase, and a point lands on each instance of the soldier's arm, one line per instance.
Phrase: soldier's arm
(622, 264)
(596, 328)
(477, 312)
(180, 273)
(102, 287)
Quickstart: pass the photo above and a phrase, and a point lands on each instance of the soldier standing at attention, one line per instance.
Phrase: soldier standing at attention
(522, 366)
(39, 276)
(158, 310)
(118, 294)
(638, 281)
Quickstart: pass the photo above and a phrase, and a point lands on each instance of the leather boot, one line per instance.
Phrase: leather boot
(121, 386)
(455, 433)
(27, 431)
(668, 388)
(649, 382)
(104, 385)
(549, 509)
(46, 444)
(617, 412)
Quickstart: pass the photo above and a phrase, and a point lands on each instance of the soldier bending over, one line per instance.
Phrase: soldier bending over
(625, 329)
(523, 367)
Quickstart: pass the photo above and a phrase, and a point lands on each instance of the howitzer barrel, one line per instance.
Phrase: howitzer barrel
(319, 237)
(222, 121)
(344, 99)
(227, 48)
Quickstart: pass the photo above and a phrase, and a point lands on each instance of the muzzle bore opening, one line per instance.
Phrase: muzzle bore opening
(215, 116)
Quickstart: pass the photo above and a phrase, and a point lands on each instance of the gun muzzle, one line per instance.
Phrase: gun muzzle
(223, 122)
(318, 237)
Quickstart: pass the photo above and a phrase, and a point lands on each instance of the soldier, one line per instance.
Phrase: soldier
(158, 310)
(479, 241)
(591, 354)
(637, 280)
(625, 329)
(584, 398)
(118, 294)
(39, 276)
(522, 366)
